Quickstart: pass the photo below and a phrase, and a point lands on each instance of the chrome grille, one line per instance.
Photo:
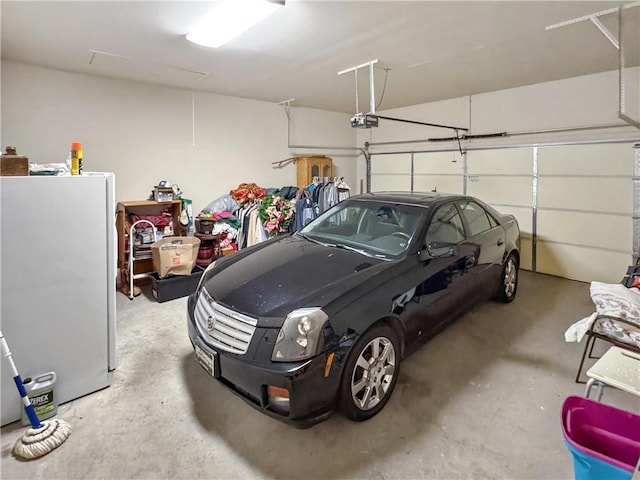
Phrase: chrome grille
(222, 327)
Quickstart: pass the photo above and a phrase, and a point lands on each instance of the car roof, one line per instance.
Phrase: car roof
(413, 198)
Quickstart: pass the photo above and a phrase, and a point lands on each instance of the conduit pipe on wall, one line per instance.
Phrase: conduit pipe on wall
(326, 149)
(286, 104)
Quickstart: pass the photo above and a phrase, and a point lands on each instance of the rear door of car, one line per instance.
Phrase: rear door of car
(484, 232)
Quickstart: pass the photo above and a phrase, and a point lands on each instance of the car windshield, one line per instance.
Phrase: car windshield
(375, 229)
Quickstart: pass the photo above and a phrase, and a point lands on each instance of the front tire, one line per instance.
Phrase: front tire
(509, 280)
(370, 374)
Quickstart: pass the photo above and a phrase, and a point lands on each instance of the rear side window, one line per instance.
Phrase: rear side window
(446, 227)
(476, 217)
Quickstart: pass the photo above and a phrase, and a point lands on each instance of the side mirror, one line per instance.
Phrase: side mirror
(432, 251)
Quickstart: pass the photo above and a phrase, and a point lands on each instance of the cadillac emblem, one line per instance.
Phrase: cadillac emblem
(210, 323)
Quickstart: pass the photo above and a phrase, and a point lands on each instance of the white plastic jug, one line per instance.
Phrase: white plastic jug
(40, 392)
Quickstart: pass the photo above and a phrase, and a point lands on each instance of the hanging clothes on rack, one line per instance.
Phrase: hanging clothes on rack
(344, 191)
(330, 195)
(246, 230)
(304, 209)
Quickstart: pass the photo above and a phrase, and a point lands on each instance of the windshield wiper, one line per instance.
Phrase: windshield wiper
(336, 245)
(313, 240)
(347, 247)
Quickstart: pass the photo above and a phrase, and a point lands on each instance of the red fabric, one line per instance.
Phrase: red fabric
(158, 220)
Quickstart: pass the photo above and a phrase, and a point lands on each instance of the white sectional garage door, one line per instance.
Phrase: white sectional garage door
(585, 211)
(574, 203)
(503, 178)
(391, 173)
(440, 171)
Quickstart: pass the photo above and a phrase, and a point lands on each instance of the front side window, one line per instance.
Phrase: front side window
(476, 217)
(446, 228)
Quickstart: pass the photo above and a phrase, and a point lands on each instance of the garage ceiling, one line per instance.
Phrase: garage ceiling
(433, 50)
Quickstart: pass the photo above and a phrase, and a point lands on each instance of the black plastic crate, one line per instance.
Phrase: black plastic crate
(175, 286)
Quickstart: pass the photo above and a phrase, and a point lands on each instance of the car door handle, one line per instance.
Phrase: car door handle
(500, 242)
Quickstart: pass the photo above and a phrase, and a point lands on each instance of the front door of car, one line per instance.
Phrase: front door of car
(438, 279)
(488, 235)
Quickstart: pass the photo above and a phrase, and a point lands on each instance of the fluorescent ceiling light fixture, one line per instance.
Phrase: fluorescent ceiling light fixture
(229, 19)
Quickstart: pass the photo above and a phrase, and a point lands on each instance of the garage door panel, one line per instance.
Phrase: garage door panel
(501, 190)
(595, 230)
(595, 194)
(442, 183)
(581, 263)
(512, 161)
(605, 159)
(381, 183)
(391, 164)
(524, 216)
(525, 253)
(438, 162)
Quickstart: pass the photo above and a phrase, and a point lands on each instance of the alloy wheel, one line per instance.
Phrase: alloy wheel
(373, 373)
(510, 277)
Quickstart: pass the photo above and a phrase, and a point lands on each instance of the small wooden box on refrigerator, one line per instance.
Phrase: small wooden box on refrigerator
(12, 164)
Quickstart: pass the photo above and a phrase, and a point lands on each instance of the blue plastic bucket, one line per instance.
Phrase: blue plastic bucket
(589, 467)
(604, 441)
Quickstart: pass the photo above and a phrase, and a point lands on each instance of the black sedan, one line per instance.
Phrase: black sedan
(302, 325)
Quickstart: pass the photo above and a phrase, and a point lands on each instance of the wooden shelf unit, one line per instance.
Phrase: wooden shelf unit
(141, 207)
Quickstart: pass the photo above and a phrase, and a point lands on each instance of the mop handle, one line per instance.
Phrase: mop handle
(28, 408)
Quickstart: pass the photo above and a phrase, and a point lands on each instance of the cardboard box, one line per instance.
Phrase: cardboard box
(165, 289)
(174, 255)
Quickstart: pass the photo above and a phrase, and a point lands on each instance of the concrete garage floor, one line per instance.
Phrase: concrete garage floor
(481, 400)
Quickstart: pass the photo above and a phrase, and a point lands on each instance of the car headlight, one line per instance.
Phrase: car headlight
(204, 276)
(299, 336)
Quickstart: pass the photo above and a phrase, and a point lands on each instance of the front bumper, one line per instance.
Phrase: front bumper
(312, 397)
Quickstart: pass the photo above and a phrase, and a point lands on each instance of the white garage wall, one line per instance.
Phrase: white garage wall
(575, 102)
(205, 143)
(209, 143)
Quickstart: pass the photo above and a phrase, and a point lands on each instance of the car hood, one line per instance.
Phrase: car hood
(289, 273)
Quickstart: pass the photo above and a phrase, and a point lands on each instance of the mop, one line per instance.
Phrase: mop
(43, 436)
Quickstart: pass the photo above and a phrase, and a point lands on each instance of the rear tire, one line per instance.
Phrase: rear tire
(370, 374)
(509, 280)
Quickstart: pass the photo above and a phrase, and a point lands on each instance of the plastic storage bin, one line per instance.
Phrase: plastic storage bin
(175, 286)
(604, 441)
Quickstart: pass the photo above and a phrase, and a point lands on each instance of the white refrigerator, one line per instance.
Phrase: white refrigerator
(58, 283)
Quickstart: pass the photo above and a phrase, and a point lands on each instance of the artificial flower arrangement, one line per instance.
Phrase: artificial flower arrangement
(276, 214)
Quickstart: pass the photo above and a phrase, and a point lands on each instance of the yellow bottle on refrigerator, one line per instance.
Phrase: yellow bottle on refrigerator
(76, 158)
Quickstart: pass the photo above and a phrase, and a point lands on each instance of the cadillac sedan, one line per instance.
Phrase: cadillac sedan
(303, 325)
